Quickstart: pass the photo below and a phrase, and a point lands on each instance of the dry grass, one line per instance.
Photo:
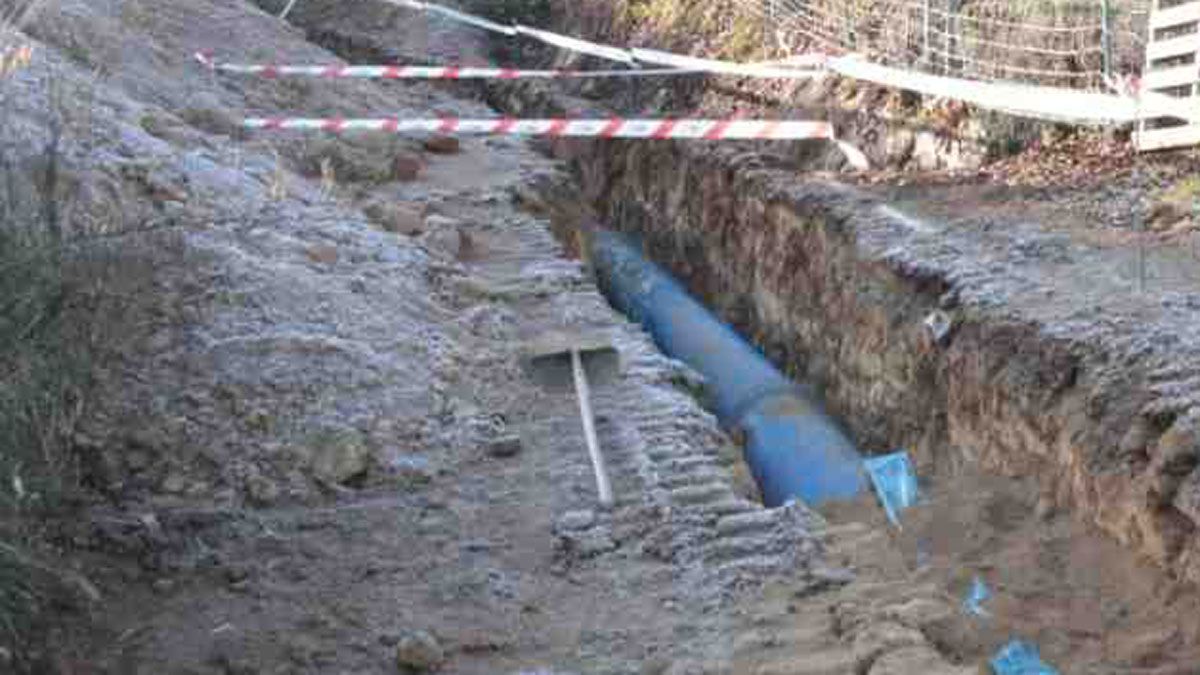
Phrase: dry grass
(65, 295)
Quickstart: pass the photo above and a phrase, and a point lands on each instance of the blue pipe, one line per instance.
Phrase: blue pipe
(794, 449)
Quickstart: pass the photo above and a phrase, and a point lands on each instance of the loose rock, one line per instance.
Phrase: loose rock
(577, 520)
(448, 237)
(505, 446)
(419, 652)
(341, 459)
(407, 167)
(443, 145)
(261, 490)
(323, 254)
(397, 217)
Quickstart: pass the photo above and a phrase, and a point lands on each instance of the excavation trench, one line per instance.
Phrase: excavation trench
(1016, 430)
(1058, 455)
(1056, 437)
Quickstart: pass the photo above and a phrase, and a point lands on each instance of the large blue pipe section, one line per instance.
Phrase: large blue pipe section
(793, 448)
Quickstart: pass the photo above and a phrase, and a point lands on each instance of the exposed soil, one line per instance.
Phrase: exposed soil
(1087, 603)
(325, 453)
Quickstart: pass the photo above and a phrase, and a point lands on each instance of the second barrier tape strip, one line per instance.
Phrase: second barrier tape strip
(697, 129)
(613, 128)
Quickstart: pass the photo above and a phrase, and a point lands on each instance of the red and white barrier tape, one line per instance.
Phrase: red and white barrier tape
(398, 72)
(613, 128)
(700, 129)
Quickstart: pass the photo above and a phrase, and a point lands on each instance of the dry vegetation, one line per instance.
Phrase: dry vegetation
(69, 280)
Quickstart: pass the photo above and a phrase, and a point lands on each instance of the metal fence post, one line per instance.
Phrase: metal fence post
(1106, 34)
(769, 26)
(925, 37)
(953, 43)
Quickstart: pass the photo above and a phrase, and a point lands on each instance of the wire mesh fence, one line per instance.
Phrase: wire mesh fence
(1066, 43)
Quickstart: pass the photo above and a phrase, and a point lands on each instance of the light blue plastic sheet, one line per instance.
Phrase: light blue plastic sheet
(895, 482)
(1020, 658)
(977, 594)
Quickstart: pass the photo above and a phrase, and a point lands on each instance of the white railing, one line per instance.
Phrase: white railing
(1172, 69)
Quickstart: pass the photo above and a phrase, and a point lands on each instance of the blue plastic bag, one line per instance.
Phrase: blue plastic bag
(1020, 658)
(977, 594)
(895, 483)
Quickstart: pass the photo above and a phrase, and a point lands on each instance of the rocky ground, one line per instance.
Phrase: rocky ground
(321, 451)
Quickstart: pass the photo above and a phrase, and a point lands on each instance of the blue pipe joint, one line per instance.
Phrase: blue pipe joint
(794, 450)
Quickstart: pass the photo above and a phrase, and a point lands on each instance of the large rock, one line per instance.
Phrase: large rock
(339, 458)
(443, 145)
(419, 652)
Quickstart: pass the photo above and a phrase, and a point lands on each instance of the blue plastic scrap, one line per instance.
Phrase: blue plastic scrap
(895, 482)
(977, 594)
(1020, 658)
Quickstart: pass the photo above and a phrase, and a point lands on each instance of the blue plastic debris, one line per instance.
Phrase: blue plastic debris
(895, 483)
(1020, 658)
(977, 594)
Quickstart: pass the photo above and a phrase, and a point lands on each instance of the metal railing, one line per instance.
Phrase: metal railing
(1072, 43)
